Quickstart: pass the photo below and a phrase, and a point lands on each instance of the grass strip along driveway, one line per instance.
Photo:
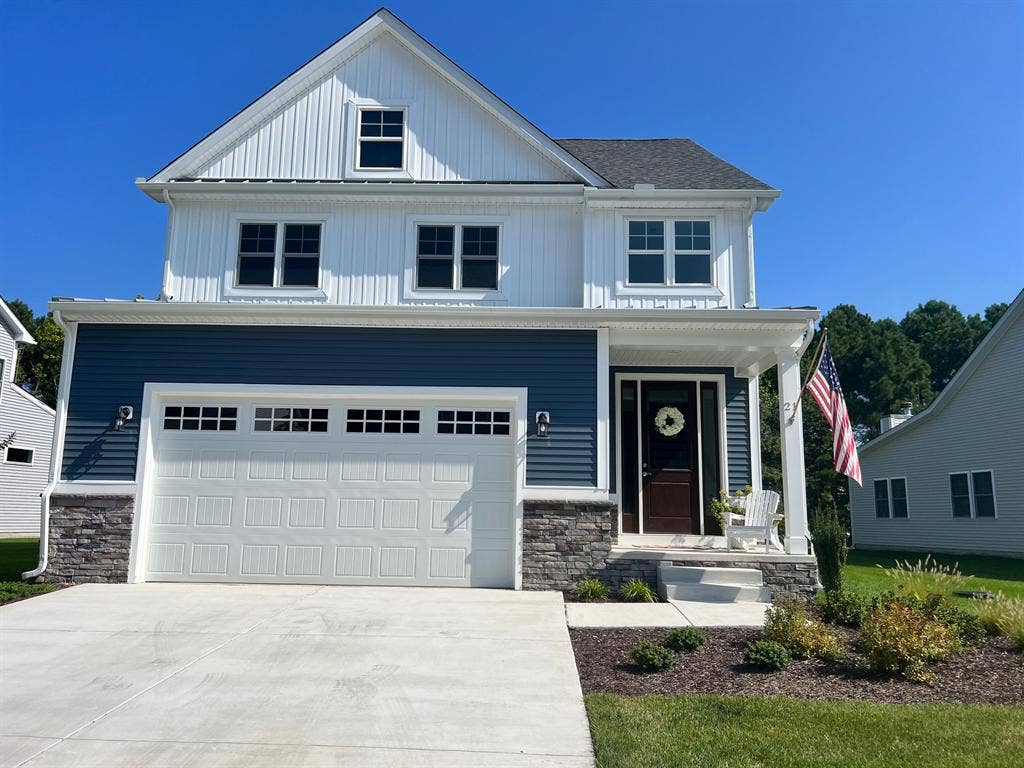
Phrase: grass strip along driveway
(736, 732)
(16, 557)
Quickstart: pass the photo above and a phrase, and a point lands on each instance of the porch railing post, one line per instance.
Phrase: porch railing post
(791, 432)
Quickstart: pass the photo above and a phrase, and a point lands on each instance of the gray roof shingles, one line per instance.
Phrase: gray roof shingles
(665, 163)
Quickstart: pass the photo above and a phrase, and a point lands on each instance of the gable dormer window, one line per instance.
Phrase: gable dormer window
(381, 145)
(272, 255)
(669, 253)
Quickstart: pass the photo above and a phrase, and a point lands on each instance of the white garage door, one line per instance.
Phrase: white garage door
(405, 492)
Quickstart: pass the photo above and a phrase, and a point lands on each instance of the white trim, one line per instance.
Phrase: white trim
(31, 398)
(329, 60)
(970, 491)
(754, 409)
(18, 331)
(959, 379)
(95, 488)
(457, 221)
(154, 393)
(565, 493)
(67, 365)
(723, 449)
(603, 408)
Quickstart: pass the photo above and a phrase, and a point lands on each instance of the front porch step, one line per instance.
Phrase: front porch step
(712, 585)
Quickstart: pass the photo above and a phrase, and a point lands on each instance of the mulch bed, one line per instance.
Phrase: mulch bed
(993, 673)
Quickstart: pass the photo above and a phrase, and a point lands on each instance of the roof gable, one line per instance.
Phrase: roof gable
(991, 342)
(9, 321)
(298, 129)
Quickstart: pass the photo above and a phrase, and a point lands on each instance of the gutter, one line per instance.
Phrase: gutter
(57, 448)
(167, 248)
(751, 286)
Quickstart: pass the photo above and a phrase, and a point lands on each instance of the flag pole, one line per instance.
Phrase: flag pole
(815, 359)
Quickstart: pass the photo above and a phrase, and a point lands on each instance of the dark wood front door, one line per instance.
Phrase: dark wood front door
(669, 468)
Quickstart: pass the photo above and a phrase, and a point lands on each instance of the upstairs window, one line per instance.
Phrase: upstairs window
(275, 256)
(687, 261)
(381, 140)
(451, 257)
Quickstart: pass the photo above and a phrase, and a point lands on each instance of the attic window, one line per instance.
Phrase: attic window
(381, 140)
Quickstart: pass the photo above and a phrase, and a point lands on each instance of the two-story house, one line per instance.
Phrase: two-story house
(405, 337)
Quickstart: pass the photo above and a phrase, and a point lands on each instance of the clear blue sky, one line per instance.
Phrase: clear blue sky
(895, 130)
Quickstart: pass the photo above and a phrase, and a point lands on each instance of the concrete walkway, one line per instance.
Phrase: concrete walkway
(674, 613)
(216, 676)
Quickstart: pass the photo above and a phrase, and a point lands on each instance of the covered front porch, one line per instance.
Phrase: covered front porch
(684, 429)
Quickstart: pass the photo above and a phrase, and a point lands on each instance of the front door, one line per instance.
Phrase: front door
(669, 468)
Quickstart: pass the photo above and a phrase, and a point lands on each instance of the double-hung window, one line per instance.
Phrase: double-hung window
(669, 253)
(272, 255)
(972, 494)
(891, 498)
(457, 257)
(381, 145)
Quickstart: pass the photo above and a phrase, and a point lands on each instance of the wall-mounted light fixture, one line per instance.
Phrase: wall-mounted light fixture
(124, 413)
(543, 423)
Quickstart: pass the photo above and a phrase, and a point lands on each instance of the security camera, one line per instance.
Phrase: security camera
(124, 413)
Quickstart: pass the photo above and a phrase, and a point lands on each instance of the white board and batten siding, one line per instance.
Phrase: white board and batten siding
(451, 138)
(979, 428)
(20, 413)
(367, 250)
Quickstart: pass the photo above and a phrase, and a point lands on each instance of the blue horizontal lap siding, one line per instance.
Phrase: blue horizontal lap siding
(737, 417)
(114, 362)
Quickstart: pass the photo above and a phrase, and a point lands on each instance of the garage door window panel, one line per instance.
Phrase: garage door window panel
(289, 419)
(200, 418)
(473, 422)
(390, 421)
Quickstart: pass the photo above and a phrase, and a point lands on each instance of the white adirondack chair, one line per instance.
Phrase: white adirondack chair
(755, 519)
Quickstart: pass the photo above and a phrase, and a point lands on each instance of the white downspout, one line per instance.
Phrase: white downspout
(751, 286)
(165, 282)
(57, 449)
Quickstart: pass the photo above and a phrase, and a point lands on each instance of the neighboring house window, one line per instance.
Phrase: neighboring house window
(648, 261)
(891, 498)
(19, 455)
(463, 262)
(972, 494)
(266, 260)
(881, 498)
(381, 140)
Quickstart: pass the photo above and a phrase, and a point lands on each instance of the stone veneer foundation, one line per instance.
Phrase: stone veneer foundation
(90, 538)
(565, 542)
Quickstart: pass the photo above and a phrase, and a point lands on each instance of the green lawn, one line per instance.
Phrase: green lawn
(996, 574)
(16, 557)
(729, 732)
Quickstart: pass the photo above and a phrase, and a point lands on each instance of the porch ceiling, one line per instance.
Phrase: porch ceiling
(745, 362)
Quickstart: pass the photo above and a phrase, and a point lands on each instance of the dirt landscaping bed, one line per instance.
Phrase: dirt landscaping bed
(993, 673)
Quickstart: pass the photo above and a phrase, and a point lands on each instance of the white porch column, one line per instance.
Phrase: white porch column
(791, 432)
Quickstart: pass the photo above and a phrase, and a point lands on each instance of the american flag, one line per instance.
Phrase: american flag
(828, 394)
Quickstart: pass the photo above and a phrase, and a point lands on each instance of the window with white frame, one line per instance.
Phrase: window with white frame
(200, 418)
(381, 144)
(457, 257)
(669, 253)
(19, 455)
(891, 498)
(474, 422)
(283, 419)
(392, 421)
(972, 494)
(278, 256)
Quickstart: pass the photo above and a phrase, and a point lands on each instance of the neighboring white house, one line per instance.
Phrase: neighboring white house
(951, 478)
(26, 436)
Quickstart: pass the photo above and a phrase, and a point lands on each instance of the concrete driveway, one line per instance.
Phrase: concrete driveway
(212, 676)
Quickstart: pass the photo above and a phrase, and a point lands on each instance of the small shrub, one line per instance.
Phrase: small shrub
(901, 640)
(842, 607)
(636, 591)
(684, 639)
(830, 547)
(652, 658)
(590, 589)
(968, 627)
(926, 577)
(789, 623)
(767, 655)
